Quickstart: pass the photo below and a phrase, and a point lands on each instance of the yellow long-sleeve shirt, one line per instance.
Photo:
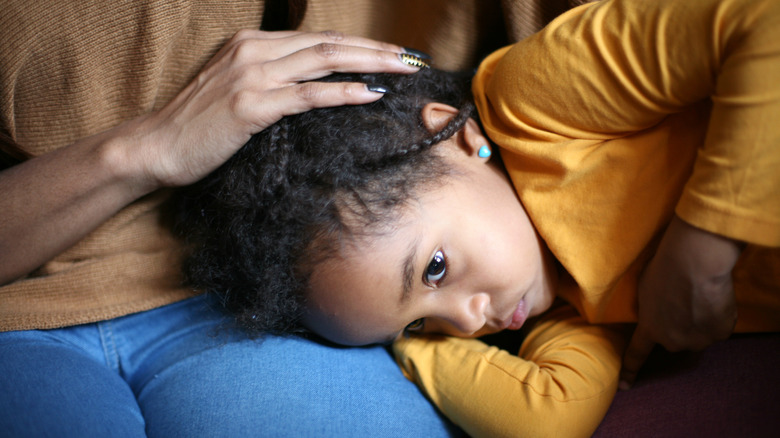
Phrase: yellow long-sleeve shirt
(616, 116)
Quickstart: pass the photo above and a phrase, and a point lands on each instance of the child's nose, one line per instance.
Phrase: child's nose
(468, 313)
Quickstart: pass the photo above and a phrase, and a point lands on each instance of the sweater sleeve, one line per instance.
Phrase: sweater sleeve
(560, 384)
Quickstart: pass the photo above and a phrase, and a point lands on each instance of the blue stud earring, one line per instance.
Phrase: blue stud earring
(484, 151)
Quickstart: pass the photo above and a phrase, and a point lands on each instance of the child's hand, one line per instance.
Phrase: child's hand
(685, 295)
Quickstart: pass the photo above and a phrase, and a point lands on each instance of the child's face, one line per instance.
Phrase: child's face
(464, 258)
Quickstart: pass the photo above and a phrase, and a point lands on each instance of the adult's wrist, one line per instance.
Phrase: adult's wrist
(124, 154)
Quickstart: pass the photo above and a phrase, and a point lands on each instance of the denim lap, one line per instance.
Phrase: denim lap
(181, 370)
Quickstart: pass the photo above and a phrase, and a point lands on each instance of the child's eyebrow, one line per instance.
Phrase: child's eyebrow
(407, 271)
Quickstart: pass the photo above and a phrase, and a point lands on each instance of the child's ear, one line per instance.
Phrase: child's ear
(473, 140)
(436, 115)
(469, 140)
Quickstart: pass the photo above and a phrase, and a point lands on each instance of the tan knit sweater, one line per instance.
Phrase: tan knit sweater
(72, 69)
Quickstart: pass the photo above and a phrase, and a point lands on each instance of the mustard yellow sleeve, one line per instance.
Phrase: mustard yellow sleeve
(560, 384)
(735, 185)
(617, 67)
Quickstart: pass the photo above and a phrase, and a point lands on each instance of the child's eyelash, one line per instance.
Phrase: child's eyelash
(414, 326)
(437, 268)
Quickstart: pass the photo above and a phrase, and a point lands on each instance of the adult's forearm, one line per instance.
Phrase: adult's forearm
(51, 202)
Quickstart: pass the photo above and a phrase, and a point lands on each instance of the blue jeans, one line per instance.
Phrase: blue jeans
(182, 371)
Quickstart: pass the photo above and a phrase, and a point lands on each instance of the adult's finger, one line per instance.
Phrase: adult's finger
(321, 60)
(300, 40)
(638, 350)
(273, 45)
(302, 97)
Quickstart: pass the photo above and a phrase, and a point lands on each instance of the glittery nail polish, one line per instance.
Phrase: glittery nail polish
(418, 53)
(412, 60)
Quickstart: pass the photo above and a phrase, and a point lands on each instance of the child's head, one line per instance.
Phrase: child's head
(354, 222)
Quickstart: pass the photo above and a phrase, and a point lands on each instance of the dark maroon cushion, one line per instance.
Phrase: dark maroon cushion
(731, 389)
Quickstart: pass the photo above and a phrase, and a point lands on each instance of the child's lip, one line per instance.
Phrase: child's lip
(517, 318)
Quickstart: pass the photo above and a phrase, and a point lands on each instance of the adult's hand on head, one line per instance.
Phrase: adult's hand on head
(253, 81)
(55, 199)
(685, 295)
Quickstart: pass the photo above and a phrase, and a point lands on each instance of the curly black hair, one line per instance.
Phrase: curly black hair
(258, 225)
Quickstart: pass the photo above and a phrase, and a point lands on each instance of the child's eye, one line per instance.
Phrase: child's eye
(436, 269)
(414, 326)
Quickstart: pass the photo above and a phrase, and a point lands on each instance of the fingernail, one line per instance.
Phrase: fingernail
(412, 60)
(376, 88)
(418, 53)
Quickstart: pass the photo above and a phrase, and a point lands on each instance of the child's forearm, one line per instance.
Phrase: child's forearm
(686, 291)
(561, 385)
(686, 300)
